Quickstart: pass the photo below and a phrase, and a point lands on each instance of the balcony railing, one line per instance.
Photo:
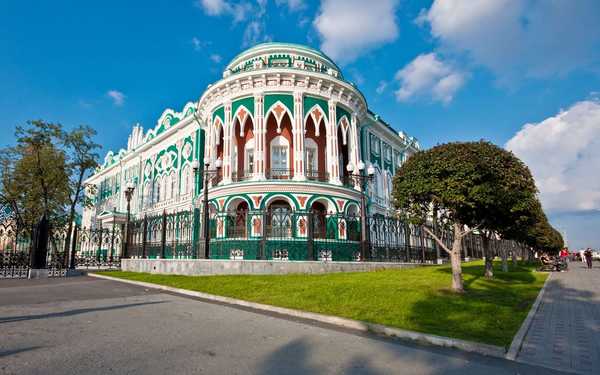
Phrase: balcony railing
(279, 174)
(243, 176)
(317, 176)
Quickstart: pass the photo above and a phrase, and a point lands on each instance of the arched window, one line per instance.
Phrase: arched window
(163, 188)
(147, 197)
(185, 180)
(156, 197)
(280, 156)
(312, 157)
(173, 185)
(249, 156)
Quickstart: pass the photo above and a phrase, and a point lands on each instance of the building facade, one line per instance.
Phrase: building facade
(281, 134)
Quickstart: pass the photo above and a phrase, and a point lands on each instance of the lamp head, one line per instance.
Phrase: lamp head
(350, 167)
(130, 186)
(219, 163)
(361, 166)
(195, 165)
(371, 170)
(207, 161)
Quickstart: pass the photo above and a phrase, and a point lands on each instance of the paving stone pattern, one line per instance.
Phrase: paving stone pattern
(565, 332)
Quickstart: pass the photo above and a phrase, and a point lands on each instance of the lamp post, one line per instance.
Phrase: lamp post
(205, 214)
(128, 195)
(359, 179)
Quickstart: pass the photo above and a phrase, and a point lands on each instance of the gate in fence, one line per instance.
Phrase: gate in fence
(93, 248)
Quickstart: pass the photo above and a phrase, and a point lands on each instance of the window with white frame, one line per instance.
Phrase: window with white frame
(249, 156)
(185, 180)
(312, 158)
(173, 185)
(279, 154)
(374, 144)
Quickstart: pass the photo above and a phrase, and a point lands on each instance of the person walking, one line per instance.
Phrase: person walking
(588, 257)
(564, 258)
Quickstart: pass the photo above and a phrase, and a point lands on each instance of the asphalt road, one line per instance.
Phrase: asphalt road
(86, 326)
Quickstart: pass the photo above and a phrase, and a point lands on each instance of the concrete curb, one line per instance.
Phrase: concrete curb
(517, 342)
(422, 338)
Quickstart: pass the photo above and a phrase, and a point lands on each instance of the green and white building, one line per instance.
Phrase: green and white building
(284, 129)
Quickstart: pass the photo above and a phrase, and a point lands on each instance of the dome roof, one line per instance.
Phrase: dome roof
(273, 54)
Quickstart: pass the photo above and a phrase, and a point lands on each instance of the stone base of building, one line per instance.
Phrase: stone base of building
(199, 267)
(38, 273)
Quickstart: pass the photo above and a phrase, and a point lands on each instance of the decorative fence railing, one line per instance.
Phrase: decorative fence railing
(94, 248)
(274, 234)
(281, 234)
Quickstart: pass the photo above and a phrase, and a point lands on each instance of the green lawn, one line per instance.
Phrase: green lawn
(415, 299)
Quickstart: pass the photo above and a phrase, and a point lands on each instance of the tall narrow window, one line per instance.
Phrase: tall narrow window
(279, 156)
(312, 157)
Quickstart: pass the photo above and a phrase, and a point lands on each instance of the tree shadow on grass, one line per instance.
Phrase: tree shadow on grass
(489, 311)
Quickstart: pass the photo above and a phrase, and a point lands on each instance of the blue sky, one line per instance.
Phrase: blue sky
(441, 70)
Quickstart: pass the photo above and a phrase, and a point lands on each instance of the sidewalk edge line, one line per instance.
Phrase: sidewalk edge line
(418, 337)
(517, 342)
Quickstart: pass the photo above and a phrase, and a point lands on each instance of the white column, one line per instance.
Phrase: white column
(259, 137)
(332, 145)
(227, 133)
(355, 143)
(298, 131)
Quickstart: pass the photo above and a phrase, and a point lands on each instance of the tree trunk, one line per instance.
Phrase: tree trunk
(504, 257)
(514, 257)
(487, 253)
(457, 280)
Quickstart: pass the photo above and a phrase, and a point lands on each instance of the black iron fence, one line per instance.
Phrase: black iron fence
(283, 234)
(93, 248)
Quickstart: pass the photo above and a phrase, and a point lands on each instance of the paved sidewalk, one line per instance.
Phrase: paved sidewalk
(565, 332)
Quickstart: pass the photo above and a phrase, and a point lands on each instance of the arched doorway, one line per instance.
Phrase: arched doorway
(237, 225)
(319, 212)
(279, 219)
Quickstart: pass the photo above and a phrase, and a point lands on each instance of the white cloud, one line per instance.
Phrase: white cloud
(381, 87)
(516, 38)
(254, 33)
(117, 97)
(196, 43)
(216, 58)
(293, 5)
(563, 153)
(428, 75)
(350, 28)
(239, 11)
(214, 7)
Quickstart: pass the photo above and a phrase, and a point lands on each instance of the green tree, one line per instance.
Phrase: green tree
(34, 174)
(451, 178)
(507, 199)
(82, 159)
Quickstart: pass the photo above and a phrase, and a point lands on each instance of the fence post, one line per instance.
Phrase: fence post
(163, 239)
(263, 239)
(100, 238)
(74, 247)
(310, 251)
(422, 235)
(112, 242)
(39, 250)
(407, 240)
(144, 230)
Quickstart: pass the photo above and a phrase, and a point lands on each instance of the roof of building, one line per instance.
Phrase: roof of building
(284, 47)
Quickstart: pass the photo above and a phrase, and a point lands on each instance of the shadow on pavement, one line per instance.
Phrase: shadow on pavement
(12, 319)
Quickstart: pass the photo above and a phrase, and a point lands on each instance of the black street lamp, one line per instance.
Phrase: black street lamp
(362, 180)
(128, 195)
(205, 214)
